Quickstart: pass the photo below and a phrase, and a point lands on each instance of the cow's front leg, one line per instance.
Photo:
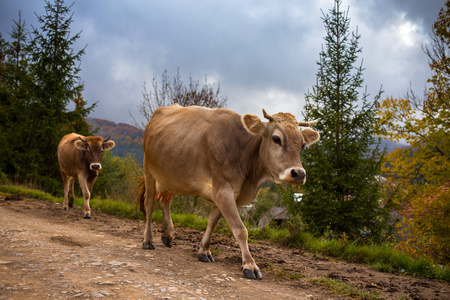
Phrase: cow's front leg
(227, 205)
(66, 185)
(204, 253)
(86, 196)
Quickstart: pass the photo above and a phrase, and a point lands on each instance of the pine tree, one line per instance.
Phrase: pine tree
(38, 80)
(342, 190)
(16, 85)
(5, 154)
(55, 67)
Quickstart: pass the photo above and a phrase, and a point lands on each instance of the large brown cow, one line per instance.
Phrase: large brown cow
(222, 157)
(81, 157)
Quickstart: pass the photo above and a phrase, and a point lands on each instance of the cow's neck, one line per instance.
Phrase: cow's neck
(255, 174)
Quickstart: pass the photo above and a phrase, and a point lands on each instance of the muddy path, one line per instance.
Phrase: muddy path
(49, 253)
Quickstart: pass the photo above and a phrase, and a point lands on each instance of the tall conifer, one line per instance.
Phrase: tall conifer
(55, 66)
(342, 190)
(38, 80)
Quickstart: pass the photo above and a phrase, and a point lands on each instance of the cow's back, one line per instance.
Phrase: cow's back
(68, 154)
(186, 148)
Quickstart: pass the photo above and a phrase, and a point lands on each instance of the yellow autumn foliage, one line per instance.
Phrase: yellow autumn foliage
(421, 173)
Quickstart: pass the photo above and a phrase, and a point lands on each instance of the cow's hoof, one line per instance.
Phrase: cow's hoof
(70, 204)
(249, 274)
(87, 216)
(166, 241)
(148, 246)
(65, 208)
(205, 258)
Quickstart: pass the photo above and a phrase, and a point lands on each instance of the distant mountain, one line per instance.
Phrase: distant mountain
(128, 138)
(391, 146)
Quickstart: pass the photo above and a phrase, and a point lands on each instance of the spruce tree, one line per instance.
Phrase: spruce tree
(342, 190)
(55, 66)
(16, 86)
(38, 80)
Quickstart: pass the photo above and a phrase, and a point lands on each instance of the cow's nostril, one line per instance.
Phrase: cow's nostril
(96, 166)
(298, 174)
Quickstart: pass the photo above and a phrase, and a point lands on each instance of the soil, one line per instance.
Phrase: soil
(46, 253)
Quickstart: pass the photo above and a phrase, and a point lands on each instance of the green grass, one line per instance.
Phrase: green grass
(380, 257)
(187, 220)
(282, 273)
(118, 208)
(26, 192)
(113, 207)
(268, 233)
(346, 289)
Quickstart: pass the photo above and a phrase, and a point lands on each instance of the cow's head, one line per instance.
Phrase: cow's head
(93, 147)
(282, 142)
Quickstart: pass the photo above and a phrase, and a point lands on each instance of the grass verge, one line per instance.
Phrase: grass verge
(346, 289)
(380, 257)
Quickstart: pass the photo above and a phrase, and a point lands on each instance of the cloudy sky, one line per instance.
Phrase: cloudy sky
(262, 52)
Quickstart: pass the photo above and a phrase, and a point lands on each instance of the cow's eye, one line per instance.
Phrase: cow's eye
(276, 139)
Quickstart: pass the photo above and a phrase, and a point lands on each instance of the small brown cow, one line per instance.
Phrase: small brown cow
(222, 157)
(81, 157)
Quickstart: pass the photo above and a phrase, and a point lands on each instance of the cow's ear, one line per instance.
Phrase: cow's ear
(108, 145)
(310, 136)
(252, 123)
(81, 145)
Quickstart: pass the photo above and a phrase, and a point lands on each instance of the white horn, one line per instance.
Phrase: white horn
(308, 124)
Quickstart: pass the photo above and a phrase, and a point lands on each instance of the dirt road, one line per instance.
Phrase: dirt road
(49, 253)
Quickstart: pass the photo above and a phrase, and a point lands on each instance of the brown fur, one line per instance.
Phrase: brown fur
(222, 157)
(141, 195)
(80, 158)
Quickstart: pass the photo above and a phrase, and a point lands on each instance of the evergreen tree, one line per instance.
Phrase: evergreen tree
(342, 191)
(5, 149)
(55, 67)
(38, 80)
(16, 85)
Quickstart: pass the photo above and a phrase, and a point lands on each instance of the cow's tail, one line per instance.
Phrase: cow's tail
(141, 195)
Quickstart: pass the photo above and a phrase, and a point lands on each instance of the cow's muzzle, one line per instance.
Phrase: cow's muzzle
(96, 167)
(294, 176)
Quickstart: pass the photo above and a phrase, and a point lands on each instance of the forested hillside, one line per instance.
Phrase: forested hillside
(128, 138)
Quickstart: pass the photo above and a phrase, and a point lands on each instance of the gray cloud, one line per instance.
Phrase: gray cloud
(263, 53)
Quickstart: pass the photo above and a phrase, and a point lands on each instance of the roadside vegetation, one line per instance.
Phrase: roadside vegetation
(347, 289)
(381, 257)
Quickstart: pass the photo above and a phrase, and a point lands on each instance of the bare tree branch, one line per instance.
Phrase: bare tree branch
(166, 92)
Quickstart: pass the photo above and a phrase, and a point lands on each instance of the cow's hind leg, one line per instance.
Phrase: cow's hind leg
(150, 194)
(71, 191)
(165, 199)
(204, 253)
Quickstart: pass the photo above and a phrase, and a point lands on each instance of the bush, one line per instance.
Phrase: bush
(264, 202)
(3, 178)
(190, 205)
(118, 179)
